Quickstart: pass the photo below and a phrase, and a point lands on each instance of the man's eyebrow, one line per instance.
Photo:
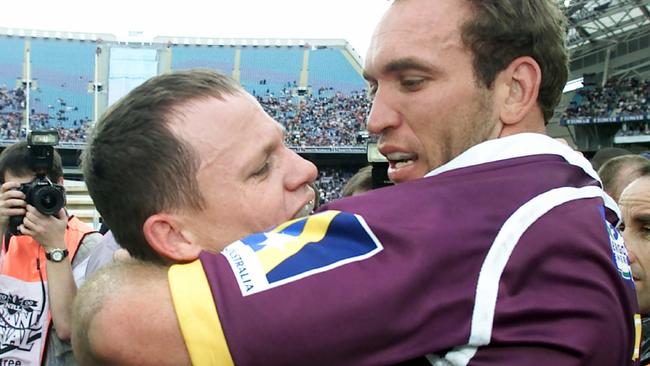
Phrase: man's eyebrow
(407, 64)
(642, 219)
(403, 64)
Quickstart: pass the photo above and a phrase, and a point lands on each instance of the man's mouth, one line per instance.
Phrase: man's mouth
(399, 160)
(307, 208)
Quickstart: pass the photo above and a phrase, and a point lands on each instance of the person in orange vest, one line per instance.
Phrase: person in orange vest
(40, 262)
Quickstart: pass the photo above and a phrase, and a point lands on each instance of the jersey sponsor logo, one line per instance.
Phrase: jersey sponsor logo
(619, 252)
(300, 248)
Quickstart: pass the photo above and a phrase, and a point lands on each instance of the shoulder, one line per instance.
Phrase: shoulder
(88, 244)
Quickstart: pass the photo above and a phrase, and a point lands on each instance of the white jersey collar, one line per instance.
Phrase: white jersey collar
(521, 145)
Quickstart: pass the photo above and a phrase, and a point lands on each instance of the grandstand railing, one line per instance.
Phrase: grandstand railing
(613, 119)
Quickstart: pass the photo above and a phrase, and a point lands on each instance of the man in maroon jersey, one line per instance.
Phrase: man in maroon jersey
(497, 247)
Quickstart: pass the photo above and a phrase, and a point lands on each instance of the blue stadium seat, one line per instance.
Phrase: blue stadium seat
(63, 69)
(328, 67)
(11, 60)
(215, 58)
(270, 69)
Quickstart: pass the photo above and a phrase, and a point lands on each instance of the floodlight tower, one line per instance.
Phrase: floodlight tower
(26, 83)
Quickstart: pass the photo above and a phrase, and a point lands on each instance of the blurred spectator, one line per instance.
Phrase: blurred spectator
(620, 171)
(605, 154)
(359, 183)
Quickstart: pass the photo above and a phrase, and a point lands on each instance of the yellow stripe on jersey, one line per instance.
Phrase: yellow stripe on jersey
(314, 231)
(637, 336)
(197, 315)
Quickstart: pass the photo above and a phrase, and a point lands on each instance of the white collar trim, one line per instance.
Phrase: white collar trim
(522, 145)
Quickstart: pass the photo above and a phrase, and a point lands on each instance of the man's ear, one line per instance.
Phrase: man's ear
(165, 235)
(519, 88)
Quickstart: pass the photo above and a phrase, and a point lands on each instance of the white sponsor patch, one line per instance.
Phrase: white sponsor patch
(300, 248)
(619, 253)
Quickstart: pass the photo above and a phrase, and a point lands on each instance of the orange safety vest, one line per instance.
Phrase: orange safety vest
(24, 310)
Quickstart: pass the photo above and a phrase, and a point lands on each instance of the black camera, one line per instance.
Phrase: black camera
(47, 197)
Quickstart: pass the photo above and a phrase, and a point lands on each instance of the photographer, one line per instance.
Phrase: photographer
(39, 251)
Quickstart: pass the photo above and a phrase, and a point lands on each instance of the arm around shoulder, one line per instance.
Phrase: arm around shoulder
(124, 316)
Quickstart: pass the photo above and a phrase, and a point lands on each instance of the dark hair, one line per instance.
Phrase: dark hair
(15, 160)
(502, 30)
(135, 166)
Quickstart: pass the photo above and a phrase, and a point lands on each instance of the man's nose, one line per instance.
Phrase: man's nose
(630, 246)
(304, 173)
(383, 114)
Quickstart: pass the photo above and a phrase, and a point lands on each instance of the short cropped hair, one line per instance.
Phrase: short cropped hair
(15, 160)
(612, 168)
(360, 182)
(605, 154)
(502, 30)
(620, 171)
(135, 166)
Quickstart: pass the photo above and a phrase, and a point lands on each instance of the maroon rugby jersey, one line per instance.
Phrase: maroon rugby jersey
(507, 255)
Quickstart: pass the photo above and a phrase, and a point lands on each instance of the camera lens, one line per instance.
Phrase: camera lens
(48, 200)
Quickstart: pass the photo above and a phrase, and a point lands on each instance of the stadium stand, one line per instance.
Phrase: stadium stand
(617, 98)
(79, 203)
(320, 99)
(329, 68)
(625, 103)
(320, 119)
(268, 70)
(12, 99)
(63, 70)
(210, 57)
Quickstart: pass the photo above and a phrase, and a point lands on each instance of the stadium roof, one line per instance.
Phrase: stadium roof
(605, 22)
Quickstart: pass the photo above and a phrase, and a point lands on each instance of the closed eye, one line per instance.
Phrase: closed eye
(412, 84)
(262, 171)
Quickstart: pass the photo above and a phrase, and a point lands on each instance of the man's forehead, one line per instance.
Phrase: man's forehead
(636, 193)
(413, 32)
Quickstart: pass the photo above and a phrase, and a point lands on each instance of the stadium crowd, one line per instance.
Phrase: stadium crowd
(617, 98)
(326, 118)
(330, 182)
(12, 106)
